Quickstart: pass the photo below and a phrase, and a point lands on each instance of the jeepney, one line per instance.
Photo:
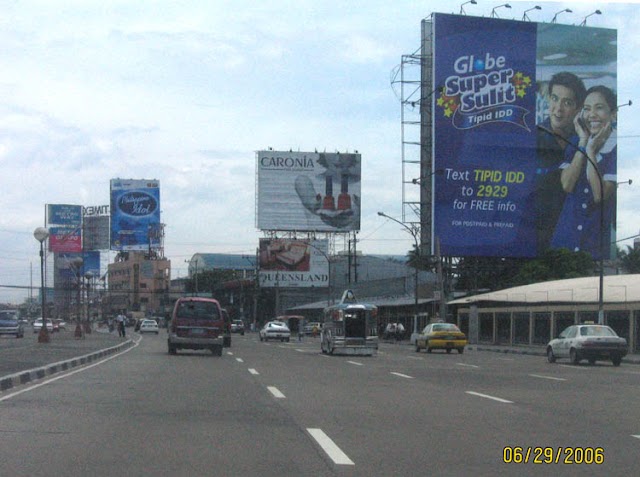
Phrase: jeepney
(350, 327)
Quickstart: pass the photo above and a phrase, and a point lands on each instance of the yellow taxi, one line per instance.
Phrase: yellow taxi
(445, 336)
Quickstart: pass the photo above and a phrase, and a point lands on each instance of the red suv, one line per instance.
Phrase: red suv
(197, 323)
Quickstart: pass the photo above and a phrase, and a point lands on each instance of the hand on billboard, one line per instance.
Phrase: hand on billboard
(342, 217)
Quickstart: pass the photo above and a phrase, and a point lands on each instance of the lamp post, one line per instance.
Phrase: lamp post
(601, 182)
(493, 12)
(525, 17)
(414, 231)
(41, 234)
(87, 324)
(584, 22)
(76, 263)
(472, 2)
(568, 10)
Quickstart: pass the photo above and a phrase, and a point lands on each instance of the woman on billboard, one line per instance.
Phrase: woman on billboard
(579, 226)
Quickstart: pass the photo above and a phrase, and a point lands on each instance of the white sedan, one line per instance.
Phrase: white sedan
(149, 326)
(590, 342)
(275, 330)
(37, 325)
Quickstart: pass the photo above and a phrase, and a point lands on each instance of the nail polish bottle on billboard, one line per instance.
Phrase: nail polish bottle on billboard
(344, 199)
(328, 202)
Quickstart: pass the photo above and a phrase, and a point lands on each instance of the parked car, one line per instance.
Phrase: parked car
(309, 327)
(10, 325)
(275, 330)
(196, 323)
(590, 342)
(149, 326)
(237, 326)
(37, 325)
(445, 336)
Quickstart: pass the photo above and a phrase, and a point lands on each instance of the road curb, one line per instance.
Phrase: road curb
(24, 377)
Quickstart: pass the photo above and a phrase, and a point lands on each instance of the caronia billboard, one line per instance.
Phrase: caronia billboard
(521, 113)
(308, 191)
(293, 263)
(135, 214)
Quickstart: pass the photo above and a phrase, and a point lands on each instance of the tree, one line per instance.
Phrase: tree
(630, 259)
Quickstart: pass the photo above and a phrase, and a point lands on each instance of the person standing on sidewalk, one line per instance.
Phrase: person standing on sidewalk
(120, 323)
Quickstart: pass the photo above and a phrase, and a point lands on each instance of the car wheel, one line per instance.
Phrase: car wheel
(448, 350)
(287, 340)
(216, 350)
(592, 361)
(417, 348)
(616, 360)
(573, 356)
(460, 350)
(172, 350)
(550, 356)
(261, 338)
(242, 334)
(428, 349)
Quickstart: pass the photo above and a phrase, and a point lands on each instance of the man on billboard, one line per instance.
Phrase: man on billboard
(565, 96)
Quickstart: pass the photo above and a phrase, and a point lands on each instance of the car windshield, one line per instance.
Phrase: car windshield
(596, 331)
(201, 310)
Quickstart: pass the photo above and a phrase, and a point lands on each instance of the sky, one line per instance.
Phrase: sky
(187, 92)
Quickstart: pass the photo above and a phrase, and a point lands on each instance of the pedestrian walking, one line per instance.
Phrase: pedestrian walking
(120, 319)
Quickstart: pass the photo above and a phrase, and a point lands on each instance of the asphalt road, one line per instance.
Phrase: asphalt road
(285, 409)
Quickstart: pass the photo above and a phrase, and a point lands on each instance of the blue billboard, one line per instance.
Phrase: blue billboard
(135, 214)
(515, 133)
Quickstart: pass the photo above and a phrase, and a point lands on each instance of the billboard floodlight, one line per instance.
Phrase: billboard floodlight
(493, 12)
(525, 17)
(568, 10)
(472, 2)
(584, 22)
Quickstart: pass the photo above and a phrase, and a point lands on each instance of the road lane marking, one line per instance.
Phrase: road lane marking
(355, 362)
(489, 397)
(574, 366)
(239, 360)
(253, 371)
(547, 377)
(415, 357)
(637, 436)
(229, 353)
(276, 392)
(468, 365)
(330, 447)
(402, 375)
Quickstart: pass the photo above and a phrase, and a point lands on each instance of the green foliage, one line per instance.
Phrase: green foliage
(629, 259)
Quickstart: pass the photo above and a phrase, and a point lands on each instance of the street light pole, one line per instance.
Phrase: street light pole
(41, 234)
(414, 231)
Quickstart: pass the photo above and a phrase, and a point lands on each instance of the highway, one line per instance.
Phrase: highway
(285, 409)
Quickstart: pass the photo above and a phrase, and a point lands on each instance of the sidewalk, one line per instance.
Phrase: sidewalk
(62, 353)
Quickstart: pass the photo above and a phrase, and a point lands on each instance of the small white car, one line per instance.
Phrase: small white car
(149, 326)
(37, 325)
(275, 330)
(590, 342)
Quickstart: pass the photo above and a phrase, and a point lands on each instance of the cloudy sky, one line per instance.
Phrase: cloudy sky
(186, 92)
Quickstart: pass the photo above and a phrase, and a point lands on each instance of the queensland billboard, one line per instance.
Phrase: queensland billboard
(308, 191)
(522, 112)
(135, 214)
(297, 263)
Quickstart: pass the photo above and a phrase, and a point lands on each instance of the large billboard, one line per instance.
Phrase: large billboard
(521, 112)
(308, 191)
(293, 263)
(135, 214)
(65, 227)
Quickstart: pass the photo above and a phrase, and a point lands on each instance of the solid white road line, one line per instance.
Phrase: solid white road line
(546, 377)
(253, 371)
(355, 362)
(332, 450)
(402, 375)
(276, 392)
(489, 397)
(636, 436)
(468, 365)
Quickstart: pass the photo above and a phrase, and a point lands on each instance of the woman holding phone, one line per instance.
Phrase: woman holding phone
(579, 224)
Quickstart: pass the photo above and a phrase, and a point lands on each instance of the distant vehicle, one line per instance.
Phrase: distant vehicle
(37, 325)
(237, 326)
(10, 325)
(311, 326)
(149, 326)
(445, 336)
(59, 324)
(350, 327)
(590, 342)
(275, 330)
(196, 323)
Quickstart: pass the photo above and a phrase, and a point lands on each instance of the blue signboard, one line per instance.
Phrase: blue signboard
(497, 191)
(64, 215)
(135, 214)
